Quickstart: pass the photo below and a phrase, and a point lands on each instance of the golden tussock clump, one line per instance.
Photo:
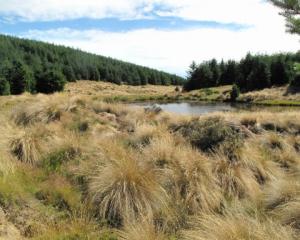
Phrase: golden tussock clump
(282, 152)
(281, 191)
(143, 134)
(255, 157)
(281, 199)
(122, 186)
(235, 179)
(236, 226)
(188, 174)
(47, 109)
(26, 146)
(142, 229)
(103, 107)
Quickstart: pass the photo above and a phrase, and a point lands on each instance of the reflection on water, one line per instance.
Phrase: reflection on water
(200, 108)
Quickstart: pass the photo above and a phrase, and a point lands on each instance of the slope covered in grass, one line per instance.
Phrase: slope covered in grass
(76, 167)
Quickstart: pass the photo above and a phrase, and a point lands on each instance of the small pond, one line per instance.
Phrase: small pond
(200, 108)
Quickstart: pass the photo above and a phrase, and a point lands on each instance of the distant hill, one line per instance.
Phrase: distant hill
(35, 57)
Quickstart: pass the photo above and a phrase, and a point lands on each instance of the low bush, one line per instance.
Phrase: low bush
(235, 93)
(54, 160)
(212, 133)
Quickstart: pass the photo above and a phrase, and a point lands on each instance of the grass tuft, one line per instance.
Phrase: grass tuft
(123, 187)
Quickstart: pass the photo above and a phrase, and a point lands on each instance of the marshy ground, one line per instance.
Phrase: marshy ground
(79, 165)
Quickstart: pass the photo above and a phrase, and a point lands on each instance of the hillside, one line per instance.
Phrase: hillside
(283, 95)
(24, 62)
(253, 72)
(75, 167)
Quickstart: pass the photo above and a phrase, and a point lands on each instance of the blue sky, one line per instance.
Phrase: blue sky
(18, 27)
(163, 34)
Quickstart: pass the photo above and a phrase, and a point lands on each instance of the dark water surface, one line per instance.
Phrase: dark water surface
(200, 108)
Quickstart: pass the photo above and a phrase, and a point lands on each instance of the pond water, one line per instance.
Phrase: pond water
(200, 108)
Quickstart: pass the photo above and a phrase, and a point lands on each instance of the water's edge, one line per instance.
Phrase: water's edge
(200, 108)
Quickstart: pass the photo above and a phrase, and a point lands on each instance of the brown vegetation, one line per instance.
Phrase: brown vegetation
(75, 167)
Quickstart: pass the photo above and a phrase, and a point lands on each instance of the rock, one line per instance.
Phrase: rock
(153, 109)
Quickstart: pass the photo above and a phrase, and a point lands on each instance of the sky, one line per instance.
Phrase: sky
(162, 34)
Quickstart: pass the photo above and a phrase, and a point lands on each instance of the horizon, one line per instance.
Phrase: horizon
(160, 34)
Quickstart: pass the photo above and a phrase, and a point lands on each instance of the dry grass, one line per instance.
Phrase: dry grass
(235, 179)
(237, 226)
(123, 187)
(47, 109)
(143, 229)
(189, 173)
(105, 89)
(26, 148)
(152, 175)
(275, 93)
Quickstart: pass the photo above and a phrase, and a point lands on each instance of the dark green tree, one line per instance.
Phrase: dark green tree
(4, 86)
(259, 77)
(230, 73)
(69, 73)
(215, 70)
(296, 81)
(202, 77)
(281, 71)
(40, 57)
(291, 11)
(20, 78)
(245, 68)
(51, 81)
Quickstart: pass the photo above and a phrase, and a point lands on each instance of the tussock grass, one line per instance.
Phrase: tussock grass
(143, 229)
(123, 187)
(144, 133)
(27, 147)
(47, 109)
(256, 157)
(280, 192)
(281, 199)
(235, 179)
(232, 175)
(103, 107)
(236, 226)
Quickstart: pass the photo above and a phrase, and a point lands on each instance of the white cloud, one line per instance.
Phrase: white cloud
(173, 51)
(239, 11)
(168, 50)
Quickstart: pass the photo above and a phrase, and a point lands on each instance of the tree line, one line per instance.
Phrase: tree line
(253, 72)
(34, 66)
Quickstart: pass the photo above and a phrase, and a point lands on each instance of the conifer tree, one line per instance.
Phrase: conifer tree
(291, 11)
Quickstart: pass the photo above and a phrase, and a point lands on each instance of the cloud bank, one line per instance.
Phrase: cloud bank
(167, 49)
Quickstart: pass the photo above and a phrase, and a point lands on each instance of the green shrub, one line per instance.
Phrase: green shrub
(212, 133)
(55, 159)
(235, 92)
